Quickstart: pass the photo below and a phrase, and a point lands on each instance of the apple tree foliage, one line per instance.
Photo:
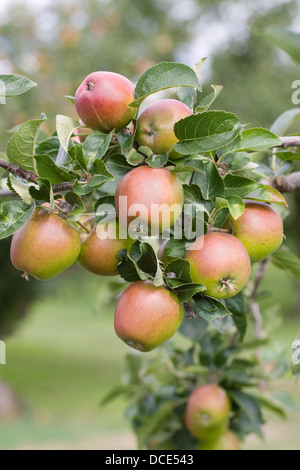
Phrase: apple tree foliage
(223, 162)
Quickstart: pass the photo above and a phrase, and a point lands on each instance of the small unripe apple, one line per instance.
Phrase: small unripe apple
(227, 441)
(147, 316)
(155, 126)
(207, 412)
(260, 229)
(221, 263)
(99, 255)
(102, 101)
(45, 246)
(153, 195)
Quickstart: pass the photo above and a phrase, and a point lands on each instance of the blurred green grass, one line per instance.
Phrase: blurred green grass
(66, 356)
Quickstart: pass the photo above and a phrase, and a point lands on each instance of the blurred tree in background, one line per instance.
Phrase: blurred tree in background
(58, 43)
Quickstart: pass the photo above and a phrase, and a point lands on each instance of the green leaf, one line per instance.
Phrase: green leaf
(209, 308)
(118, 166)
(106, 206)
(65, 127)
(186, 291)
(288, 41)
(21, 146)
(70, 98)
(193, 328)
(157, 161)
(77, 157)
(44, 192)
(241, 186)
(147, 261)
(211, 184)
(13, 85)
(20, 187)
(205, 132)
(267, 194)
(288, 154)
(287, 261)
(248, 417)
(188, 96)
(220, 217)
(95, 147)
(275, 406)
(76, 201)
(49, 147)
(189, 165)
(238, 307)
(175, 248)
(46, 168)
(114, 393)
(206, 103)
(163, 76)
(284, 121)
(13, 215)
(255, 140)
(193, 196)
(178, 273)
(125, 139)
(127, 268)
(235, 205)
(155, 420)
(100, 176)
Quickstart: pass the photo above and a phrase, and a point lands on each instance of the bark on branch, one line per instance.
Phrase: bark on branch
(16, 170)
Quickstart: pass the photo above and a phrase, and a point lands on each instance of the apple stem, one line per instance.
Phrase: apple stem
(83, 226)
(25, 276)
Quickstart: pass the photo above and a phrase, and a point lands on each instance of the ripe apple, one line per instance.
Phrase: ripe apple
(147, 316)
(156, 123)
(102, 101)
(45, 246)
(260, 229)
(207, 412)
(227, 441)
(221, 263)
(100, 255)
(154, 197)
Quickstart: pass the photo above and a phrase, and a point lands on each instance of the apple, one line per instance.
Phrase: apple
(207, 412)
(260, 229)
(102, 101)
(99, 255)
(45, 246)
(147, 316)
(154, 196)
(156, 123)
(227, 441)
(221, 263)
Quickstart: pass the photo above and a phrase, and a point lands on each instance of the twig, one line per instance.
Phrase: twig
(254, 306)
(293, 141)
(16, 170)
(287, 183)
(58, 188)
(260, 274)
(6, 193)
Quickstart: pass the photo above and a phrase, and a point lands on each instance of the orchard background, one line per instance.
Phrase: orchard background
(62, 359)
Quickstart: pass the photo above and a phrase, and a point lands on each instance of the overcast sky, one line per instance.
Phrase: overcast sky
(209, 34)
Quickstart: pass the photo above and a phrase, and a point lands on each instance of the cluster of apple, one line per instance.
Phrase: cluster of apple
(146, 316)
(206, 418)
